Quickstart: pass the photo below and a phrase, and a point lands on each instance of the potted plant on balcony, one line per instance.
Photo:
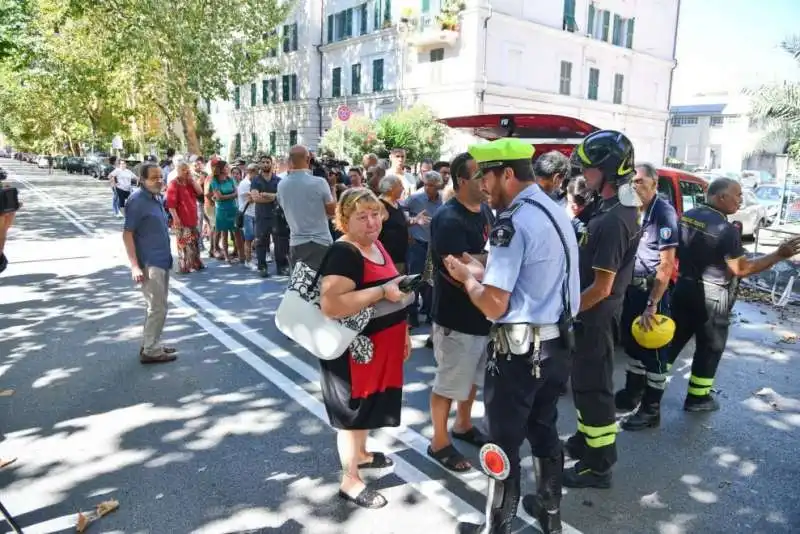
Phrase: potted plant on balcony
(448, 18)
(406, 15)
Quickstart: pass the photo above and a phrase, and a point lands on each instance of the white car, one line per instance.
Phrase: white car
(751, 216)
(42, 162)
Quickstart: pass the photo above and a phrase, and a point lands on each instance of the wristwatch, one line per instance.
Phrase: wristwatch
(650, 302)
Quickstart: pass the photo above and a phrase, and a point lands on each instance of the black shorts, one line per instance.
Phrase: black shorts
(122, 197)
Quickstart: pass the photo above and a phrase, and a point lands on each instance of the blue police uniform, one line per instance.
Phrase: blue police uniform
(647, 368)
(703, 297)
(523, 381)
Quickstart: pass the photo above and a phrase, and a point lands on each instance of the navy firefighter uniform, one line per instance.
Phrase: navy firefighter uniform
(608, 245)
(703, 297)
(533, 256)
(646, 376)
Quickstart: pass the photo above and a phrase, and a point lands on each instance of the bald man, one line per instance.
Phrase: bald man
(308, 202)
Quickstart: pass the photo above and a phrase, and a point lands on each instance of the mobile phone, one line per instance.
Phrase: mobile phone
(410, 283)
(9, 199)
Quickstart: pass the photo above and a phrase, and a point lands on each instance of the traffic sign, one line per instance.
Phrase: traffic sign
(343, 112)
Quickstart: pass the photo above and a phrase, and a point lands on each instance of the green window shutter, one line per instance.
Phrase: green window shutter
(616, 36)
(294, 36)
(292, 137)
(594, 83)
(294, 86)
(606, 24)
(253, 143)
(363, 18)
(286, 37)
(273, 143)
(569, 16)
(236, 98)
(273, 90)
(377, 75)
(285, 82)
(336, 85)
(253, 95)
(330, 28)
(377, 18)
(426, 6)
(348, 22)
(590, 23)
(355, 79)
(387, 11)
(208, 106)
(265, 92)
(629, 37)
(237, 144)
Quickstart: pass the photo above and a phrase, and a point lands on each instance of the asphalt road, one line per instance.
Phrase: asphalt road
(233, 436)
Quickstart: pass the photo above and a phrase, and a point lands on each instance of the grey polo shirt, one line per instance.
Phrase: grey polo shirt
(146, 219)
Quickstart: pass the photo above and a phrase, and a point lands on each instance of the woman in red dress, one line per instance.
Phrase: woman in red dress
(363, 388)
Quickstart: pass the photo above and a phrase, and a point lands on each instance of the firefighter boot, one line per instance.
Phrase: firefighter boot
(545, 506)
(705, 403)
(628, 398)
(649, 413)
(581, 476)
(504, 509)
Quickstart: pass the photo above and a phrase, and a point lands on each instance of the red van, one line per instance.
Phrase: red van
(557, 132)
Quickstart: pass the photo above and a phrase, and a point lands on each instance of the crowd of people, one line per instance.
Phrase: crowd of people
(530, 263)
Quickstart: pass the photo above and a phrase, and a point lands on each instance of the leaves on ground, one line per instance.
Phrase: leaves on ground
(104, 508)
(6, 392)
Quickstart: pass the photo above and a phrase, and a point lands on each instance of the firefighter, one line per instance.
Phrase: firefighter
(646, 296)
(711, 257)
(608, 249)
(530, 290)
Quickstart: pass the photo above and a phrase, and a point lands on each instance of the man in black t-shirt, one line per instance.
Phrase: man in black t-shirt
(263, 190)
(460, 330)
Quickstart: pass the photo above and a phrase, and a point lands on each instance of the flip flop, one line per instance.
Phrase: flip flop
(473, 436)
(450, 458)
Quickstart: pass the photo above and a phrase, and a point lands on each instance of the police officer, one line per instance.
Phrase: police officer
(710, 258)
(646, 296)
(608, 249)
(529, 288)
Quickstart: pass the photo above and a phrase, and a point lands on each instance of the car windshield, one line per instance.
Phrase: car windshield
(775, 192)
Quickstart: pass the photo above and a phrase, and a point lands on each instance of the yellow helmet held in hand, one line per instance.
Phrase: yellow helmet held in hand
(663, 329)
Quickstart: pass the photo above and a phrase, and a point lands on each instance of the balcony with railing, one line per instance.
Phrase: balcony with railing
(428, 30)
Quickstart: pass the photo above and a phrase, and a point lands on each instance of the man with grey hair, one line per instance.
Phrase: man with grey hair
(387, 183)
(421, 206)
(711, 261)
(550, 169)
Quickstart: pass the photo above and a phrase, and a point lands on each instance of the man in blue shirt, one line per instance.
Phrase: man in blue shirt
(530, 289)
(146, 239)
(421, 206)
(645, 378)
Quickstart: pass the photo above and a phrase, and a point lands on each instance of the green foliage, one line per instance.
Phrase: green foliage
(353, 139)
(416, 130)
(205, 135)
(777, 108)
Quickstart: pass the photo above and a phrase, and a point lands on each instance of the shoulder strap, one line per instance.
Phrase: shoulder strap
(327, 256)
(565, 300)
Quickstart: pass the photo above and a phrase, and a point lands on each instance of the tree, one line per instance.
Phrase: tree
(416, 130)
(193, 48)
(352, 139)
(777, 108)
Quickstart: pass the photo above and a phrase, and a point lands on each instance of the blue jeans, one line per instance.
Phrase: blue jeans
(417, 254)
(249, 228)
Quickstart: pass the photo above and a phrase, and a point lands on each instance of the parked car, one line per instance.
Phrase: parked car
(73, 164)
(751, 216)
(770, 195)
(97, 167)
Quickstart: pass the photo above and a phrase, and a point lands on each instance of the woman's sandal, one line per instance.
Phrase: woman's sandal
(367, 498)
(450, 458)
(379, 461)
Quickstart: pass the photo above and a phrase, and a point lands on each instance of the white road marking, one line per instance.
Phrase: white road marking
(448, 501)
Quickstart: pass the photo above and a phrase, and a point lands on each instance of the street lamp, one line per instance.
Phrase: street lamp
(781, 166)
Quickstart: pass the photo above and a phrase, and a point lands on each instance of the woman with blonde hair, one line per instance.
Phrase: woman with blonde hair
(363, 388)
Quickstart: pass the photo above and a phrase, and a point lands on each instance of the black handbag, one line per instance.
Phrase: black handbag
(240, 216)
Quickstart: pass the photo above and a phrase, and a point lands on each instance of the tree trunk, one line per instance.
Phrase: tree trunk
(189, 123)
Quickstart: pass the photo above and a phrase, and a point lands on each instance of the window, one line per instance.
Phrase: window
(265, 92)
(293, 78)
(273, 50)
(665, 190)
(355, 79)
(253, 143)
(339, 23)
(253, 95)
(717, 121)
(383, 13)
(362, 17)
(236, 98)
(426, 6)
(598, 24)
(273, 143)
(569, 23)
(208, 106)
(616, 36)
(377, 75)
(437, 54)
(692, 195)
(606, 25)
(683, 120)
(565, 84)
(289, 87)
(673, 151)
(273, 90)
(594, 83)
(292, 137)
(336, 86)
(290, 37)
(237, 144)
(348, 23)
(629, 34)
(619, 82)
(330, 28)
